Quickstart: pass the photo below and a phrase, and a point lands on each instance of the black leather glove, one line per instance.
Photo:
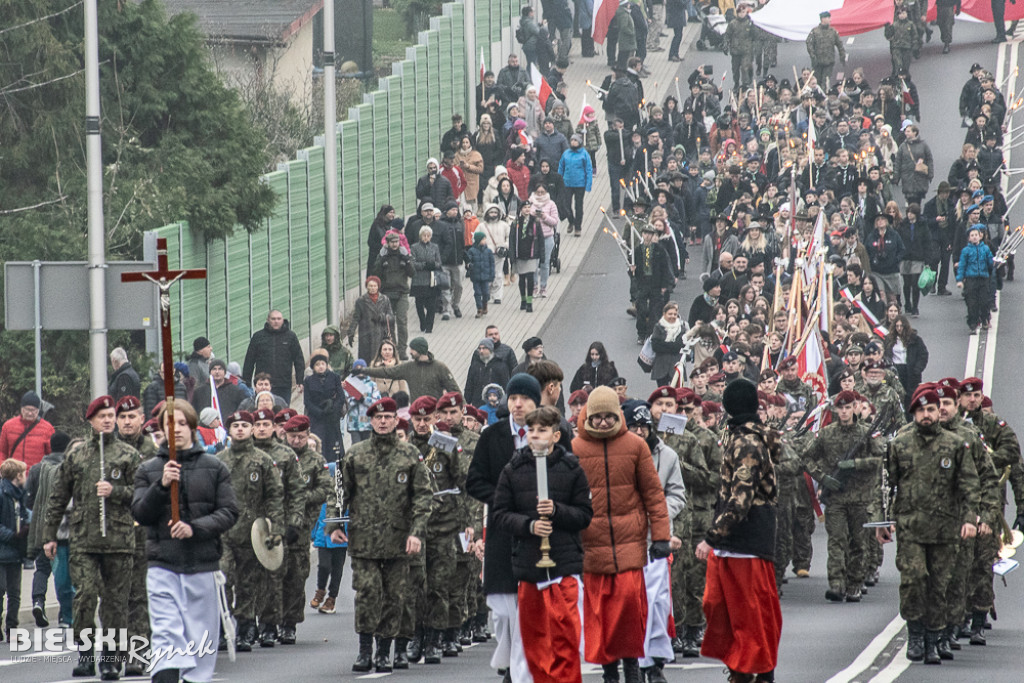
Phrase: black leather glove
(291, 535)
(831, 483)
(1019, 522)
(660, 550)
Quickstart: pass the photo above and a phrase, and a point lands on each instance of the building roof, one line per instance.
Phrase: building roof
(267, 22)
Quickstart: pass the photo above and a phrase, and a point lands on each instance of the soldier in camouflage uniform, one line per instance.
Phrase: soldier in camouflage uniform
(268, 438)
(387, 492)
(100, 554)
(741, 39)
(805, 519)
(789, 471)
(956, 595)
(927, 469)
(259, 493)
(700, 467)
(873, 353)
(882, 395)
(449, 415)
(317, 484)
(129, 430)
(1006, 457)
(904, 41)
(822, 44)
(796, 391)
(845, 458)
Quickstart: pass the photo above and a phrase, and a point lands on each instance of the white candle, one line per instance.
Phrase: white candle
(542, 475)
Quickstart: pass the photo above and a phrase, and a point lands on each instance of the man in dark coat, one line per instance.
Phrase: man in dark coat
(275, 350)
(485, 368)
(503, 352)
(434, 187)
(229, 394)
(125, 381)
(651, 281)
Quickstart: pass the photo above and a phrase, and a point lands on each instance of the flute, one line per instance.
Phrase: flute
(103, 500)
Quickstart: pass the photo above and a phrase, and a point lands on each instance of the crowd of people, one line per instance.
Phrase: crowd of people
(436, 496)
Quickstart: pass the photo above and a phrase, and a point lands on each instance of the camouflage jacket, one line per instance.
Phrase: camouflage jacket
(317, 484)
(142, 443)
(891, 380)
(291, 479)
(831, 445)
(929, 470)
(747, 494)
(990, 505)
(700, 480)
(446, 471)
(388, 494)
(741, 36)
(822, 44)
(882, 396)
(472, 509)
(798, 392)
(77, 478)
(710, 445)
(1001, 438)
(903, 34)
(258, 490)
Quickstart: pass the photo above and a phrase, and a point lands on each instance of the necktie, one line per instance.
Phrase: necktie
(522, 432)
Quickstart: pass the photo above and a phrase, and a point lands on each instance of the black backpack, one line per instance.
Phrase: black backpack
(520, 38)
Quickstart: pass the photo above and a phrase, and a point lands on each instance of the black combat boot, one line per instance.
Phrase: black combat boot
(655, 673)
(109, 666)
(242, 643)
(978, 628)
(382, 662)
(691, 644)
(287, 634)
(631, 671)
(268, 635)
(86, 664)
(954, 637)
(677, 645)
(944, 645)
(915, 641)
(415, 648)
(401, 659)
(449, 643)
(480, 634)
(611, 673)
(364, 661)
(136, 665)
(931, 648)
(166, 676)
(466, 633)
(432, 646)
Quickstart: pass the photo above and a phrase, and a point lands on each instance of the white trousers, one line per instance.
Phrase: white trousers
(509, 653)
(184, 616)
(657, 578)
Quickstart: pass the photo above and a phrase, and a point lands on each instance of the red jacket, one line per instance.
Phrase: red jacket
(32, 448)
(626, 495)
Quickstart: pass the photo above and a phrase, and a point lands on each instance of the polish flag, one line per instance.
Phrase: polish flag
(544, 90)
(483, 67)
(811, 363)
(215, 404)
(905, 91)
(604, 12)
(812, 137)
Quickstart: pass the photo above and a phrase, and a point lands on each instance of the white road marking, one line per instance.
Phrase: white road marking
(866, 658)
(594, 669)
(849, 41)
(896, 667)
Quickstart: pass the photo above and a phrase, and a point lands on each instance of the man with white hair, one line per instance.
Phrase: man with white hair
(125, 381)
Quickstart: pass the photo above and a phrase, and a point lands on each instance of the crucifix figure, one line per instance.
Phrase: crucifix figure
(163, 278)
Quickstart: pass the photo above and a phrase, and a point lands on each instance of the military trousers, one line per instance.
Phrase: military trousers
(649, 301)
(273, 595)
(742, 70)
(246, 577)
(103, 578)
(293, 585)
(944, 18)
(414, 594)
(925, 572)
(400, 306)
(956, 593)
(380, 586)
(844, 524)
(784, 533)
(463, 587)
(696, 571)
(901, 58)
(680, 562)
(138, 598)
(823, 73)
(804, 522)
(981, 596)
(441, 588)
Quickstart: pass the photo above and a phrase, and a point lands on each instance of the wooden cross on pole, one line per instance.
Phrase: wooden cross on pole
(163, 278)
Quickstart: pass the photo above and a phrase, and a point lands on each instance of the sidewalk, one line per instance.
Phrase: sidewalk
(454, 342)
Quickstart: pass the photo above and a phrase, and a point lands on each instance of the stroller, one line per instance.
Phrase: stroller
(712, 27)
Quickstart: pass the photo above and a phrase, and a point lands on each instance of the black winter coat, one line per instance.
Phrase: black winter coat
(275, 352)
(125, 382)
(515, 507)
(494, 450)
(325, 401)
(601, 376)
(207, 503)
(154, 393)
(919, 246)
(481, 374)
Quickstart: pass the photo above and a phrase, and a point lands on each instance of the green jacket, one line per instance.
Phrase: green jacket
(77, 479)
(388, 495)
(1005, 451)
(317, 485)
(625, 28)
(700, 479)
(741, 36)
(258, 490)
(903, 34)
(822, 44)
(446, 471)
(294, 487)
(990, 505)
(340, 357)
(425, 378)
(472, 509)
(799, 392)
(831, 445)
(882, 396)
(929, 470)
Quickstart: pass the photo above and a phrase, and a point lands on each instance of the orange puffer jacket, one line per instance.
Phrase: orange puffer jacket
(626, 496)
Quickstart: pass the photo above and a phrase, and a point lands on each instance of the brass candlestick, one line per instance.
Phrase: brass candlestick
(545, 561)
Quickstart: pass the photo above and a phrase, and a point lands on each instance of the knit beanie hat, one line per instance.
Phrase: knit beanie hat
(527, 385)
(740, 398)
(207, 416)
(603, 400)
(419, 345)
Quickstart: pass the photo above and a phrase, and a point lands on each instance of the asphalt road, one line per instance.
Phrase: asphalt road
(820, 641)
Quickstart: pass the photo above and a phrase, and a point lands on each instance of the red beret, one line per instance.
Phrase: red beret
(972, 384)
(716, 378)
(264, 414)
(951, 382)
(768, 373)
(662, 392)
(578, 397)
(299, 423)
(787, 362)
(403, 424)
(424, 405)
(477, 414)
(384, 405)
(101, 403)
(873, 365)
(150, 427)
(452, 399)
(777, 399)
(986, 402)
(443, 426)
(923, 398)
(238, 416)
(157, 408)
(845, 398)
(128, 403)
(685, 396)
(944, 391)
(285, 415)
(709, 408)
